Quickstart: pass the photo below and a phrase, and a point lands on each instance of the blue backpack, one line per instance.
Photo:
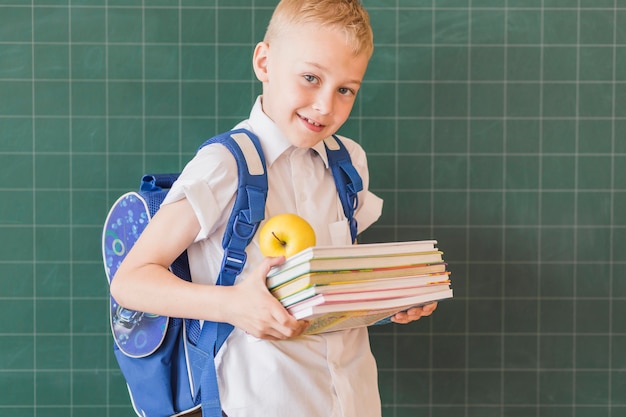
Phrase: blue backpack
(168, 362)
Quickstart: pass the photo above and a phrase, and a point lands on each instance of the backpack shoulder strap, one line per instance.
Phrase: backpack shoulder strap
(247, 213)
(347, 180)
(249, 208)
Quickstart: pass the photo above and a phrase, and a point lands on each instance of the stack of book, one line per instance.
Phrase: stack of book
(341, 287)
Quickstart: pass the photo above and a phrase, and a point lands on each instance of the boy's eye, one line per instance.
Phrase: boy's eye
(311, 78)
(346, 91)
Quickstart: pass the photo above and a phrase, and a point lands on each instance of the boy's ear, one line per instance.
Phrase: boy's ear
(259, 61)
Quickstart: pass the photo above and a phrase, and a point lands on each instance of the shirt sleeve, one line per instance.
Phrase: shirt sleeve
(209, 183)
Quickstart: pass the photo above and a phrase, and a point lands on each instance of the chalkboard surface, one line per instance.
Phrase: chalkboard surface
(496, 127)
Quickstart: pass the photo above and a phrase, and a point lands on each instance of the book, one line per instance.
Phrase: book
(363, 250)
(410, 283)
(290, 270)
(341, 287)
(363, 296)
(327, 317)
(366, 250)
(283, 289)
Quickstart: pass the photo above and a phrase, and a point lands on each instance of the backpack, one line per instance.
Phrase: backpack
(168, 362)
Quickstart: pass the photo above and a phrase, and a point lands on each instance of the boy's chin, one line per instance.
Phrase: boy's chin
(300, 142)
(303, 137)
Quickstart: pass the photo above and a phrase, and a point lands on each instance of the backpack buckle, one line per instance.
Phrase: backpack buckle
(242, 229)
(233, 261)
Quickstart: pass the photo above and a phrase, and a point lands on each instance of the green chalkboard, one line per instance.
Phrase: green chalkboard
(496, 127)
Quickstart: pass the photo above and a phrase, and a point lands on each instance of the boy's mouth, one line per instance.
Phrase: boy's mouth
(310, 121)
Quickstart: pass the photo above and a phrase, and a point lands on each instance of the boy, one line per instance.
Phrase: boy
(311, 64)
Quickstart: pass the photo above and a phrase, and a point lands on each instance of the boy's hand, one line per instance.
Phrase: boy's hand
(413, 314)
(257, 312)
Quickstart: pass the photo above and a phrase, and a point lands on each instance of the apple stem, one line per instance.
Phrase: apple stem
(282, 242)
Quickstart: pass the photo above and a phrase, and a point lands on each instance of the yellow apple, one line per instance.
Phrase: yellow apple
(285, 235)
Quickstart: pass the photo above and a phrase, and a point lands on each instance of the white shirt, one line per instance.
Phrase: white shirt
(327, 375)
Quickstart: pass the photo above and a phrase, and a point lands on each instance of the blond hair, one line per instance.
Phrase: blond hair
(348, 16)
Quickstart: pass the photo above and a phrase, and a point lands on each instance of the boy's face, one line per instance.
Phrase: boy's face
(310, 79)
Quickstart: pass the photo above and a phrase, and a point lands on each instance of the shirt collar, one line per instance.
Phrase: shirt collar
(272, 139)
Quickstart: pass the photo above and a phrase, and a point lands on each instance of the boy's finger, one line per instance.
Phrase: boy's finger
(271, 262)
(429, 308)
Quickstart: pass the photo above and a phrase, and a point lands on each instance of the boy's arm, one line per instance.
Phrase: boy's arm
(144, 282)
(369, 211)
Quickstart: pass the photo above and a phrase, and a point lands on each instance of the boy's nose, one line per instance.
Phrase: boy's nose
(323, 103)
